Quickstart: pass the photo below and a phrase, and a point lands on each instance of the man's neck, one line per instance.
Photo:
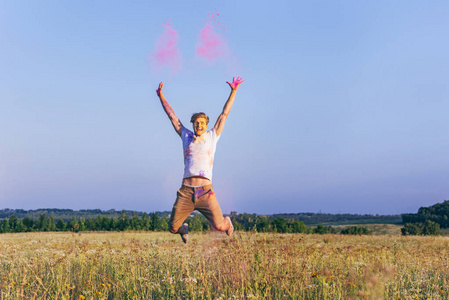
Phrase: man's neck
(199, 134)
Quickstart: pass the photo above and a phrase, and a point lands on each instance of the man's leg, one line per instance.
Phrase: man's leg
(182, 208)
(207, 204)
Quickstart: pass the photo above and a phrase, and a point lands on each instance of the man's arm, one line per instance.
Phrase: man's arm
(169, 110)
(219, 125)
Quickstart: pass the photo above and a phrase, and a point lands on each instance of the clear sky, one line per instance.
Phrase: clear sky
(344, 108)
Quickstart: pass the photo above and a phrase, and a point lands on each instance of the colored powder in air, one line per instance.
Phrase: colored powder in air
(166, 51)
(215, 19)
(211, 45)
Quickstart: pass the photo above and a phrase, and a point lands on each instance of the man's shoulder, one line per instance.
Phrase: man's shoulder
(185, 132)
(186, 135)
(212, 134)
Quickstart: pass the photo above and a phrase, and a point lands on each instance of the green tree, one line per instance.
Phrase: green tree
(20, 227)
(107, 223)
(12, 223)
(279, 225)
(123, 222)
(51, 224)
(356, 230)
(438, 213)
(135, 222)
(28, 223)
(245, 221)
(92, 224)
(430, 228)
(73, 225)
(5, 225)
(42, 222)
(263, 224)
(115, 224)
(196, 223)
(426, 228)
(60, 225)
(411, 229)
(163, 225)
(82, 226)
(145, 221)
(155, 221)
(299, 226)
(320, 229)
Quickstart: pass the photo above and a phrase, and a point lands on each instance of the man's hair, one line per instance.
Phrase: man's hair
(199, 115)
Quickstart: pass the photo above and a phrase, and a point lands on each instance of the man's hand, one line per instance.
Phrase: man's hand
(159, 90)
(227, 107)
(235, 83)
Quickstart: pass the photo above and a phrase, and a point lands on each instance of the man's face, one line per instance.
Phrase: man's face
(200, 126)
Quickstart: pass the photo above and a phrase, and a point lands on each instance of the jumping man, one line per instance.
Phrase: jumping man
(196, 192)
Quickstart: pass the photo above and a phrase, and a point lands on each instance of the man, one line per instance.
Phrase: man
(196, 192)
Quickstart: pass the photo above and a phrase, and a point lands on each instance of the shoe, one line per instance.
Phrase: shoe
(230, 230)
(185, 236)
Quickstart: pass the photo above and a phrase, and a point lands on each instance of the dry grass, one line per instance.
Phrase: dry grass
(213, 266)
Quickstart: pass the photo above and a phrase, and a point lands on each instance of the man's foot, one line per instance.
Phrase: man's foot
(231, 229)
(185, 236)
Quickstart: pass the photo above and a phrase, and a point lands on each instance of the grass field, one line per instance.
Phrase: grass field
(245, 266)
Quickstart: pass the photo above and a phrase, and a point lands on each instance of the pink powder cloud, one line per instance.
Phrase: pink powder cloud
(211, 45)
(166, 51)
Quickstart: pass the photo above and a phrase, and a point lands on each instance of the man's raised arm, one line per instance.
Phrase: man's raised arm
(169, 110)
(219, 125)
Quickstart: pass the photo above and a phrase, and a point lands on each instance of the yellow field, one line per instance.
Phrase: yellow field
(213, 266)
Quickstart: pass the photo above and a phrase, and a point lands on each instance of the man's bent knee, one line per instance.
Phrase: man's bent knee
(173, 229)
(223, 225)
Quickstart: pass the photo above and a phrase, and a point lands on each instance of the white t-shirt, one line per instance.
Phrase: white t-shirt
(199, 153)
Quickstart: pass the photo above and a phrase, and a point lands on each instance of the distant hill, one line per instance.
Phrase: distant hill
(438, 213)
(341, 219)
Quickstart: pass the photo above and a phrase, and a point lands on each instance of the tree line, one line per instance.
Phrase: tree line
(307, 218)
(123, 222)
(67, 214)
(159, 222)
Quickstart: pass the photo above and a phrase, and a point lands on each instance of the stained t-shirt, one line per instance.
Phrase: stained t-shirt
(199, 153)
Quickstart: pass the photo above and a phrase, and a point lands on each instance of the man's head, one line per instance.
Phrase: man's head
(199, 122)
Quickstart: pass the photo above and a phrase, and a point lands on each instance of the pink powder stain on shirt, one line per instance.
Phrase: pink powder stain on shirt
(166, 51)
(211, 45)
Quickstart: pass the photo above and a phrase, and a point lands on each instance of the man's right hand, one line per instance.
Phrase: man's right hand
(159, 90)
(169, 110)
(235, 83)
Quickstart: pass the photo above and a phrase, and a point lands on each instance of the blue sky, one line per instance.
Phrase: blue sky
(343, 109)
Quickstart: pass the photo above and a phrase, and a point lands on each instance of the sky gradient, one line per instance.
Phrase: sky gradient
(343, 109)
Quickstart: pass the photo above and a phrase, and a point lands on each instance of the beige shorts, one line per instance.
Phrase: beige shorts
(201, 199)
